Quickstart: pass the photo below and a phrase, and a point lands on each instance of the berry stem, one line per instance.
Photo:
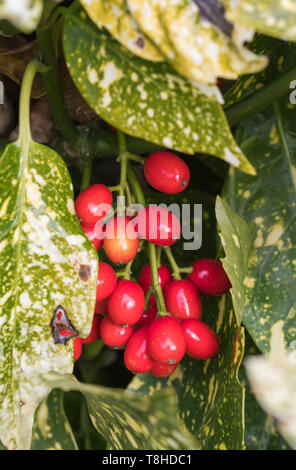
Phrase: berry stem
(135, 158)
(156, 287)
(154, 281)
(175, 268)
(126, 273)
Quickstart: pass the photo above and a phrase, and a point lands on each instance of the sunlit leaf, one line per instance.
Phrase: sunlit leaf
(116, 18)
(272, 17)
(146, 99)
(46, 261)
(23, 14)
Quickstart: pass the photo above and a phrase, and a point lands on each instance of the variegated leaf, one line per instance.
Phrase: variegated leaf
(261, 432)
(52, 430)
(116, 18)
(23, 14)
(273, 381)
(269, 201)
(198, 47)
(282, 56)
(236, 238)
(210, 396)
(129, 421)
(46, 261)
(146, 99)
(275, 18)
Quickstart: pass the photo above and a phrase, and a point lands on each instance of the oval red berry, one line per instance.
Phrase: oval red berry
(182, 299)
(163, 370)
(166, 172)
(209, 277)
(137, 358)
(201, 341)
(166, 340)
(126, 303)
(157, 225)
(93, 204)
(121, 241)
(107, 281)
(114, 336)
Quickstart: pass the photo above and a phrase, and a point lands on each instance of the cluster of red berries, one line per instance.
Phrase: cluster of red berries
(152, 342)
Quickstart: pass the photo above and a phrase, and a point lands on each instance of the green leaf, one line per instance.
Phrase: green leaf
(146, 99)
(45, 261)
(197, 48)
(236, 238)
(127, 420)
(281, 56)
(261, 432)
(23, 14)
(116, 18)
(52, 430)
(269, 201)
(273, 380)
(210, 397)
(272, 17)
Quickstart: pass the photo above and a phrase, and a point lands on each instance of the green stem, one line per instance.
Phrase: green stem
(261, 99)
(25, 100)
(156, 288)
(86, 175)
(135, 158)
(126, 273)
(135, 185)
(154, 281)
(175, 268)
(54, 89)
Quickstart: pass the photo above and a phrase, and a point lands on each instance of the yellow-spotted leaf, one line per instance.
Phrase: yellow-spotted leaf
(210, 396)
(197, 39)
(52, 430)
(116, 18)
(48, 275)
(273, 381)
(269, 201)
(236, 238)
(275, 18)
(23, 14)
(146, 99)
(129, 421)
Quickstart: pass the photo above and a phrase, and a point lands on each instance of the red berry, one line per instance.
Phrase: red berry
(107, 281)
(164, 276)
(101, 307)
(163, 370)
(121, 240)
(126, 303)
(166, 340)
(136, 355)
(93, 204)
(114, 336)
(77, 348)
(94, 332)
(92, 235)
(209, 277)
(201, 341)
(166, 172)
(147, 317)
(157, 225)
(182, 299)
